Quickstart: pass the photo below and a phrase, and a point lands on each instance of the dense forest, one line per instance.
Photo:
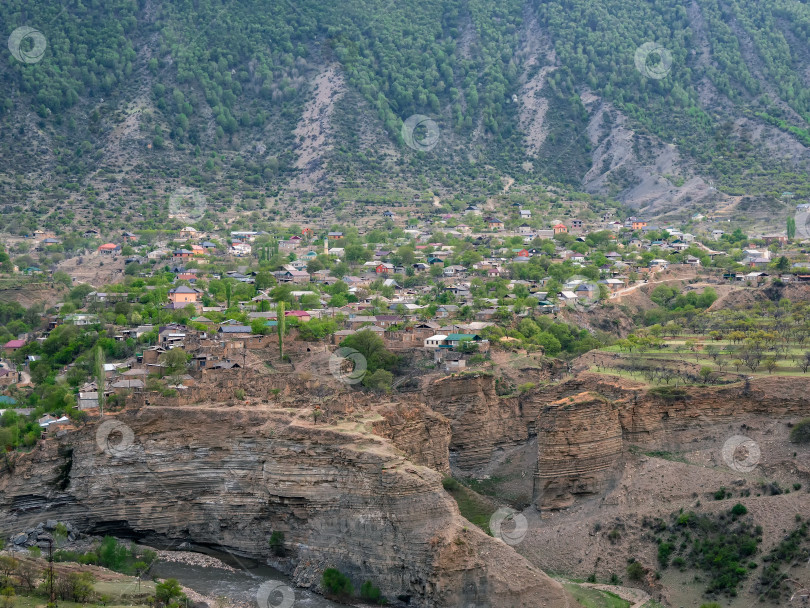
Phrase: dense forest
(209, 94)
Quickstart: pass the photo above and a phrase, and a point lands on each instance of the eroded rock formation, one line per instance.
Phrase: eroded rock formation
(583, 426)
(579, 446)
(229, 477)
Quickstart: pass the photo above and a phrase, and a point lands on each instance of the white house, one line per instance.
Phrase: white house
(435, 341)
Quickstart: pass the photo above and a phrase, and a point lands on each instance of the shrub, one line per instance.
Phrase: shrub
(635, 571)
(75, 586)
(738, 510)
(370, 592)
(380, 380)
(664, 551)
(800, 433)
(168, 591)
(450, 484)
(277, 543)
(336, 582)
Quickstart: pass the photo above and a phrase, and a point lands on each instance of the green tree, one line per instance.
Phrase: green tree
(174, 361)
(280, 328)
(380, 380)
(372, 347)
(168, 592)
(336, 582)
(101, 378)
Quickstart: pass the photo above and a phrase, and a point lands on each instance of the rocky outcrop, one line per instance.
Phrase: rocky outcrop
(582, 426)
(228, 477)
(422, 434)
(480, 421)
(579, 446)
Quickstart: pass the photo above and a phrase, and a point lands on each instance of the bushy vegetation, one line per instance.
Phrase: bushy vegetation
(720, 546)
(596, 43)
(111, 554)
(553, 337)
(277, 543)
(774, 582)
(800, 433)
(337, 583)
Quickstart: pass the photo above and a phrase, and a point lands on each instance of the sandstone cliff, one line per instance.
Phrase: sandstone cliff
(579, 448)
(480, 421)
(228, 477)
(583, 425)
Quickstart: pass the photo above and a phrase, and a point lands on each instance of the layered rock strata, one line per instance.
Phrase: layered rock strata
(229, 477)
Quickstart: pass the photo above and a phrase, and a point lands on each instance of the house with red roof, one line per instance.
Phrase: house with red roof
(560, 228)
(301, 315)
(109, 249)
(12, 345)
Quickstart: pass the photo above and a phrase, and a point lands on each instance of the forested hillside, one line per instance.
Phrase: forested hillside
(667, 106)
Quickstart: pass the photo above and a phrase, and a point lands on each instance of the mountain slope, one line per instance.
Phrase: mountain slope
(269, 107)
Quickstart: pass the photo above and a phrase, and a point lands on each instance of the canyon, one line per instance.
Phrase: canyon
(360, 489)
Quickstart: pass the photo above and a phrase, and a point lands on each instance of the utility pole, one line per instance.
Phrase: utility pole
(51, 592)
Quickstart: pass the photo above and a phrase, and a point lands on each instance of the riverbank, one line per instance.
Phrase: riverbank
(193, 559)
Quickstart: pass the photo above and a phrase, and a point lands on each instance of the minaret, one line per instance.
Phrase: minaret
(326, 246)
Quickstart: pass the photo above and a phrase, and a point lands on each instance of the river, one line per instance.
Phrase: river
(242, 586)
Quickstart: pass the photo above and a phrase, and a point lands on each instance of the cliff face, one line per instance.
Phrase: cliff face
(422, 434)
(584, 424)
(229, 477)
(480, 421)
(579, 445)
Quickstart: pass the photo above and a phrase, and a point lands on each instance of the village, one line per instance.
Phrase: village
(443, 290)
